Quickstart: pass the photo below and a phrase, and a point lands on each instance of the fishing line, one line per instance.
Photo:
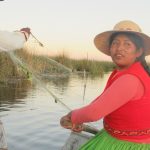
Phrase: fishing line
(17, 61)
(51, 60)
(58, 64)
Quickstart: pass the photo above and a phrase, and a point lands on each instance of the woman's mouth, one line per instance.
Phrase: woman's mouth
(118, 56)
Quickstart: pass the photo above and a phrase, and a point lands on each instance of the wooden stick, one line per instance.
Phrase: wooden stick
(86, 128)
(90, 129)
(37, 40)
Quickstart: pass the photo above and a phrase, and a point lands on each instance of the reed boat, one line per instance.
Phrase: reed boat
(75, 140)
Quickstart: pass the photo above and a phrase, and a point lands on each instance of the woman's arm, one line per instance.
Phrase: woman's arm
(120, 92)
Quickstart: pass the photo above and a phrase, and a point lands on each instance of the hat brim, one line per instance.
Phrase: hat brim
(101, 41)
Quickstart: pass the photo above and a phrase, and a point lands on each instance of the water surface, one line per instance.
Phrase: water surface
(31, 116)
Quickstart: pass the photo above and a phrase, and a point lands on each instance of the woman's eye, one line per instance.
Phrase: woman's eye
(127, 44)
(114, 43)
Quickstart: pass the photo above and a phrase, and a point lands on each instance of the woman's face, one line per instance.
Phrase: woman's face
(123, 51)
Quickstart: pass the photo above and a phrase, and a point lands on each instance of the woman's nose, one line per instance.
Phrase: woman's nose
(120, 47)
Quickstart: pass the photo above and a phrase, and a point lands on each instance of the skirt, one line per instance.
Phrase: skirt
(104, 141)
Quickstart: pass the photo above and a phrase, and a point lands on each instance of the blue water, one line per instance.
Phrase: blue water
(31, 116)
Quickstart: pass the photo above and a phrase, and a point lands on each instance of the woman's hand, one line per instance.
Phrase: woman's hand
(77, 127)
(65, 122)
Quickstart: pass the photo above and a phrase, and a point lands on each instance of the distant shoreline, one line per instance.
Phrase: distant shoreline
(49, 65)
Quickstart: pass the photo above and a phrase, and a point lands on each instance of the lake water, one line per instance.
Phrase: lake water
(31, 116)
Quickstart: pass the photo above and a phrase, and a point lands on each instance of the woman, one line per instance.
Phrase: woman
(125, 101)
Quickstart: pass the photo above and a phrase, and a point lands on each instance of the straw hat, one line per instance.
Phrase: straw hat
(101, 41)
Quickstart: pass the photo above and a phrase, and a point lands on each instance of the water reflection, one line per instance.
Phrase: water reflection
(58, 80)
(13, 93)
(35, 124)
(63, 82)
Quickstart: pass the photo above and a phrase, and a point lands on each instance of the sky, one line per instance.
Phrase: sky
(69, 26)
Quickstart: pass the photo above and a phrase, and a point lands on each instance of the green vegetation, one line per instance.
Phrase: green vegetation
(44, 64)
(48, 65)
(41, 64)
(93, 67)
(8, 69)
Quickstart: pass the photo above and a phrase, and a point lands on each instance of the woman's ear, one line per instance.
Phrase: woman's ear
(139, 52)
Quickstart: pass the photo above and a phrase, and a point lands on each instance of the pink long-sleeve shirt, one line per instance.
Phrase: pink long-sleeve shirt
(122, 90)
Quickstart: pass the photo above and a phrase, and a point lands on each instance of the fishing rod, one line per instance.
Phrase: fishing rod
(17, 61)
(86, 128)
(37, 39)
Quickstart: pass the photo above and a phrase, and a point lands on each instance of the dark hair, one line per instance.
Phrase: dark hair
(138, 43)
